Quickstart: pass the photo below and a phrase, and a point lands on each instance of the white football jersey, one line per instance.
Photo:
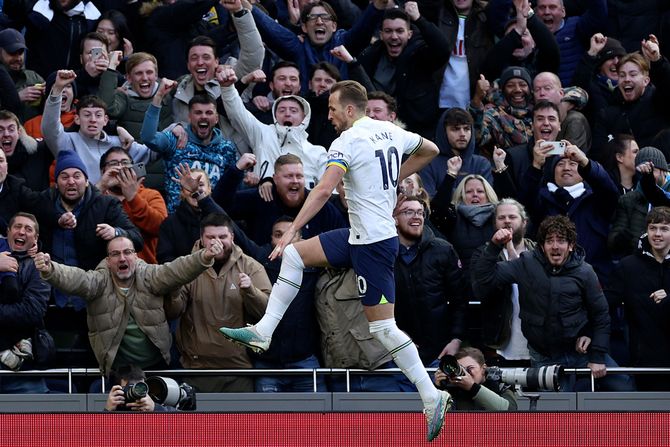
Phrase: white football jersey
(370, 152)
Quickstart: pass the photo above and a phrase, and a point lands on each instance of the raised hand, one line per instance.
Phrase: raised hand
(454, 165)
(598, 41)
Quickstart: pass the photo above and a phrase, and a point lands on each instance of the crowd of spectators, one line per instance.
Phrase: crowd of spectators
(154, 153)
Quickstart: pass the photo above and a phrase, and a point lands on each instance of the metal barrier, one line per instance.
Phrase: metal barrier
(83, 372)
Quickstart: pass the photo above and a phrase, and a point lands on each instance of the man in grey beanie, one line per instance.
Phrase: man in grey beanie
(629, 221)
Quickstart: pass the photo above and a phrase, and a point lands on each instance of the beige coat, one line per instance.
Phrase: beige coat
(212, 300)
(108, 310)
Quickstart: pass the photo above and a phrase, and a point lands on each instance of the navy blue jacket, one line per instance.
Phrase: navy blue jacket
(19, 319)
(433, 174)
(591, 212)
(287, 45)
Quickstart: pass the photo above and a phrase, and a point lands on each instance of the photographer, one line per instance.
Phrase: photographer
(118, 399)
(470, 388)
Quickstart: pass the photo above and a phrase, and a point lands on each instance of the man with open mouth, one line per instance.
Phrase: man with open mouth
(639, 106)
(124, 296)
(403, 64)
(206, 147)
(287, 134)
(508, 122)
(23, 310)
(202, 62)
(90, 141)
(318, 23)
(571, 32)
(564, 313)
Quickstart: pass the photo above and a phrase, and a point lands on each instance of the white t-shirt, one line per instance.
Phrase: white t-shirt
(455, 88)
(517, 346)
(370, 153)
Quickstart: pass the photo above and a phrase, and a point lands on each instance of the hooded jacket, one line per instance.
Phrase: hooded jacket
(269, 141)
(433, 174)
(213, 157)
(557, 305)
(200, 316)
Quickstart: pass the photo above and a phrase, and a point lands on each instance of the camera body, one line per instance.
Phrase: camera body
(135, 391)
(450, 366)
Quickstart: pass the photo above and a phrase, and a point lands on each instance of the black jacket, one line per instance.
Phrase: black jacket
(545, 57)
(416, 86)
(478, 35)
(15, 197)
(53, 44)
(557, 306)
(31, 164)
(635, 278)
(95, 209)
(497, 308)
(645, 117)
(430, 304)
(169, 29)
(19, 319)
(178, 233)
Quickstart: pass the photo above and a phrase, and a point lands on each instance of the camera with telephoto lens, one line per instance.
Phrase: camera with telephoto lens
(135, 391)
(167, 391)
(450, 366)
(544, 378)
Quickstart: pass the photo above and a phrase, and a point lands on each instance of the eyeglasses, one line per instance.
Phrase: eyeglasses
(114, 163)
(413, 213)
(323, 17)
(117, 253)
